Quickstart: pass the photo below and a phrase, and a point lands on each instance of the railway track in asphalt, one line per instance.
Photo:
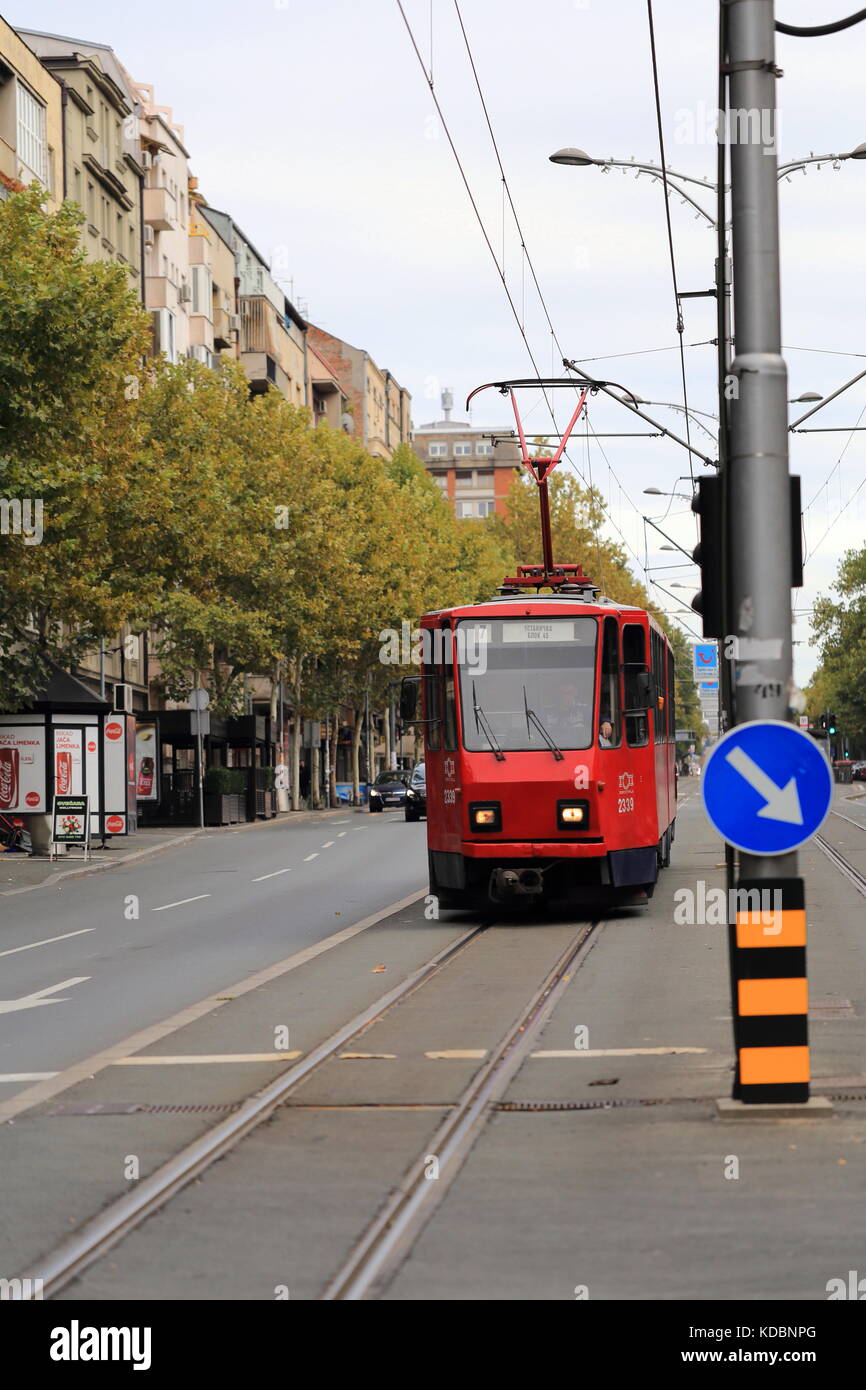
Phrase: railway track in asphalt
(392, 1233)
(848, 871)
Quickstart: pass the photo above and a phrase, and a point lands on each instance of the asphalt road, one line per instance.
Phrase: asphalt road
(208, 913)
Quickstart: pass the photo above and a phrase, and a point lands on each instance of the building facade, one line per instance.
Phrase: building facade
(272, 334)
(380, 409)
(473, 472)
(31, 120)
(102, 170)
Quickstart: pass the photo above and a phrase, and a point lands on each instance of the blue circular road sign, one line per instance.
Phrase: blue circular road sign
(767, 787)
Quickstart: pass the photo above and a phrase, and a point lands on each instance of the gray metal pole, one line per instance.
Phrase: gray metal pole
(759, 534)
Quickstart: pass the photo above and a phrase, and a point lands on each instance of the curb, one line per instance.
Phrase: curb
(69, 874)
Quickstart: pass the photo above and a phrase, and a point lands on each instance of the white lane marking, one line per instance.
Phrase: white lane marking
(620, 1052)
(196, 1059)
(328, 844)
(341, 833)
(465, 1054)
(146, 1037)
(198, 897)
(342, 822)
(261, 878)
(26, 1075)
(47, 942)
(34, 1000)
(311, 856)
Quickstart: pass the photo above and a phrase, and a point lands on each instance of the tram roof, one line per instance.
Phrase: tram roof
(518, 606)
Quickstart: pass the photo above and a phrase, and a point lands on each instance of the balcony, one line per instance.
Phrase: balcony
(223, 336)
(160, 209)
(263, 371)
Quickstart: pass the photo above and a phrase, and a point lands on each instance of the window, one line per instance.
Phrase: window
(464, 509)
(431, 681)
(484, 449)
(464, 479)
(534, 687)
(437, 451)
(162, 325)
(450, 723)
(441, 480)
(31, 133)
(76, 186)
(634, 662)
(609, 711)
(484, 478)
(672, 718)
(462, 451)
(658, 670)
(202, 298)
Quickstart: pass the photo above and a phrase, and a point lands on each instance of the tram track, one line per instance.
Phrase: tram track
(53, 1271)
(839, 861)
(407, 1209)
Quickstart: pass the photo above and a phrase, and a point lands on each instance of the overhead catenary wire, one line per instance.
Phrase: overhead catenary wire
(521, 328)
(673, 259)
(817, 31)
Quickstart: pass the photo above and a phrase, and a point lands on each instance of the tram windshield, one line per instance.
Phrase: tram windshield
(527, 684)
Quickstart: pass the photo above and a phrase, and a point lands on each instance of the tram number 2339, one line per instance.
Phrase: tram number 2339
(449, 796)
(625, 803)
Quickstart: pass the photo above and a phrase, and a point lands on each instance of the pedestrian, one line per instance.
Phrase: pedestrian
(303, 780)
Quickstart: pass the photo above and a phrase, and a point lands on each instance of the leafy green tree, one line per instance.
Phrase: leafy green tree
(72, 339)
(840, 627)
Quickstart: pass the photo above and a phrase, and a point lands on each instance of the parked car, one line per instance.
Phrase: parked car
(416, 794)
(858, 772)
(388, 790)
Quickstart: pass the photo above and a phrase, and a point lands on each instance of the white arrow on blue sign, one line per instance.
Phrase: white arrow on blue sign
(767, 787)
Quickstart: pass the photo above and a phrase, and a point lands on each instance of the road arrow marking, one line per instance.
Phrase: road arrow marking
(783, 803)
(33, 1001)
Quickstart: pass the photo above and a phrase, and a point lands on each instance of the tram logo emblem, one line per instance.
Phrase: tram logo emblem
(626, 781)
(449, 767)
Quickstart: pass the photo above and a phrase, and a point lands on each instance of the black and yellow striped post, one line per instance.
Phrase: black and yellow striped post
(770, 991)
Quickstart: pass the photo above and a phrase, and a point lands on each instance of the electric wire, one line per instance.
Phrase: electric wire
(817, 31)
(680, 325)
(499, 270)
(643, 352)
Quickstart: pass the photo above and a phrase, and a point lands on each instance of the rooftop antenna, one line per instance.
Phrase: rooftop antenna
(447, 404)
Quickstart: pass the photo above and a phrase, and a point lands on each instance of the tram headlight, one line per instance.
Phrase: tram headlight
(485, 816)
(572, 815)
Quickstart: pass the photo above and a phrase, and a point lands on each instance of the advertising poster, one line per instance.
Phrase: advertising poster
(68, 761)
(146, 763)
(70, 820)
(22, 767)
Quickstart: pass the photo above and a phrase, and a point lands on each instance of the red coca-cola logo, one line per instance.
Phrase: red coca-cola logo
(32, 798)
(91, 747)
(114, 824)
(18, 822)
(8, 778)
(114, 731)
(63, 776)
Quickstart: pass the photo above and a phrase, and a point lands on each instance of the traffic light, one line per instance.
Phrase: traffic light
(831, 723)
(707, 502)
(824, 722)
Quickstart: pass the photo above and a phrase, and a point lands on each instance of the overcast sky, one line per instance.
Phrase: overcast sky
(311, 122)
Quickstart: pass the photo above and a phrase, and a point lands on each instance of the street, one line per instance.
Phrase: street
(601, 1165)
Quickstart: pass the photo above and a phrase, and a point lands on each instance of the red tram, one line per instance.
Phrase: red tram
(549, 738)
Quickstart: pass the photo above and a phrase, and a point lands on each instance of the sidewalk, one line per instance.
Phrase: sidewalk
(19, 873)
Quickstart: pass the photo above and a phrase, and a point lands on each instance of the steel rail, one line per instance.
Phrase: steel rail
(92, 1240)
(400, 1222)
(839, 862)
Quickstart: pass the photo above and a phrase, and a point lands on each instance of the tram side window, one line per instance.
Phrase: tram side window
(432, 679)
(634, 661)
(658, 670)
(672, 719)
(449, 727)
(609, 711)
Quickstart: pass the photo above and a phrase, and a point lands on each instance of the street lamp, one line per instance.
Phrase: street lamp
(805, 398)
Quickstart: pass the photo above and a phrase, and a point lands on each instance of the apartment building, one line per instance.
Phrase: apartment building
(31, 120)
(272, 345)
(473, 473)
(380, 409)
(102, 169)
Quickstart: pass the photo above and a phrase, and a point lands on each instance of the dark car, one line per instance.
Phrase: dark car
(416, 794)
(388, 791)
(858, 772)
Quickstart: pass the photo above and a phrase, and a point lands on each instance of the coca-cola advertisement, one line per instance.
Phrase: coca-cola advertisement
(9, 765)
(145, 758)
(68, 761)
(22, 766)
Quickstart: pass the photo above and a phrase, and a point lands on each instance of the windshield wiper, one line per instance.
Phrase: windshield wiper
(481, 717)
(530, 714)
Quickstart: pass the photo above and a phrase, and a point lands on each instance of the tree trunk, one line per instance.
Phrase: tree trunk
(356, 754)
(332, 790)
(388, 746)
(316, 777)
